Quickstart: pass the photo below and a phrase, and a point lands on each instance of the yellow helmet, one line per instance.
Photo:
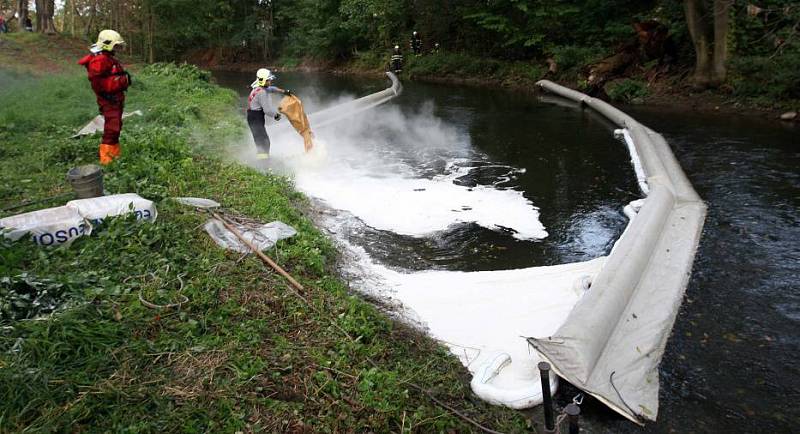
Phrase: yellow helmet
(264, 75)
(108, 39)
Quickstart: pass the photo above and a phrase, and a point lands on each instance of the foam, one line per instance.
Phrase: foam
(399, 172)
(390, 195)
(480, 314)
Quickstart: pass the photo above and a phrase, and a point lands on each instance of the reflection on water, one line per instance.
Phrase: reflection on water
(567, 165)
(730, 365)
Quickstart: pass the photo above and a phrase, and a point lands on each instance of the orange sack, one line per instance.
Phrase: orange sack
(292, 108)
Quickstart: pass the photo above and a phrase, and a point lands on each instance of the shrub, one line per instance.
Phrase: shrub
(765, 77)
(568, 57)
(626, 90)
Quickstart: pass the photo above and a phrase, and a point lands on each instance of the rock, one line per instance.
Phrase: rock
(789, 116)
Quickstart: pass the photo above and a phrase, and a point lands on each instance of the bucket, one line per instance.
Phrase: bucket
(86, 180)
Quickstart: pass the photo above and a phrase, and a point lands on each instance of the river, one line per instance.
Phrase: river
(556, 181)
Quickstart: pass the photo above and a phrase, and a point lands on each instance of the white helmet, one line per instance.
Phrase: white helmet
(263, 76)
(108, 40)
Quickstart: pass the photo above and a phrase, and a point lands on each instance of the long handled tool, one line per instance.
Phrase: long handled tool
(209, 205)
(258, 252)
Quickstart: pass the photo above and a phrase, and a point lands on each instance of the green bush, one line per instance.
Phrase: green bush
(626, 90)
(569, 57)
(765, 77)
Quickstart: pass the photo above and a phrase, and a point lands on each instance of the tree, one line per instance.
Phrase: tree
(709, 25)
(22, 13)
(45, 10)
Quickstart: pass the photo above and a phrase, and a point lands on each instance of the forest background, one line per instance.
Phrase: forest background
(746, 51)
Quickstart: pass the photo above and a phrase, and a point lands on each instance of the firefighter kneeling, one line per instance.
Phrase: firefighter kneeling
(109, 82)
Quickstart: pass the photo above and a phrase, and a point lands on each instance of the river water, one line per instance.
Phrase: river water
(551, 182)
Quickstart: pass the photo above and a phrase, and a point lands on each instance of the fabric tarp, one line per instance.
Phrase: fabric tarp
(612, 341)
(292, 108)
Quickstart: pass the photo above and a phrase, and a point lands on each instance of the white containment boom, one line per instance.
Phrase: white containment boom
(333, 114)
(612, 341)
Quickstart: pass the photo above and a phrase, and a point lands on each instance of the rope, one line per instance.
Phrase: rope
(611, 380)
(577, 400)
(154, 276)
(184, 300)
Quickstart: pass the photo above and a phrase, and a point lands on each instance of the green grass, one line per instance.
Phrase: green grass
(245, 353)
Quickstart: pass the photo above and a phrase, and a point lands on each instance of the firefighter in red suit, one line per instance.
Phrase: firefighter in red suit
(109, 82)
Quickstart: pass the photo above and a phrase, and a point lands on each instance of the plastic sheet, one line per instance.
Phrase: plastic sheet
(263, 237)
(197, 202)
(99, 122)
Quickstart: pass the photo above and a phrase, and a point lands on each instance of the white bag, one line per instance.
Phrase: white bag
(47, 227)
(96, 209)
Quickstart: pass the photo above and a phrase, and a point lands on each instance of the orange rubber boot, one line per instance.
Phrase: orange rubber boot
(108, 153)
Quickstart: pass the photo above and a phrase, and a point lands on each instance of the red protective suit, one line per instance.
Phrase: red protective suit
(109, 82)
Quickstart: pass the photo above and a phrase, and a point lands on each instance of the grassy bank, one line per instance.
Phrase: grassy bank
(80, 353)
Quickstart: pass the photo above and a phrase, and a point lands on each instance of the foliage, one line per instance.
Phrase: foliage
(575, 33)
(245, 353)
(766, 79)
(570, 57)
(767, 67)
(627, 90)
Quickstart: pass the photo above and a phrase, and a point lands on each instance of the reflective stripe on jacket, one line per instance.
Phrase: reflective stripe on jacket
(259, 100)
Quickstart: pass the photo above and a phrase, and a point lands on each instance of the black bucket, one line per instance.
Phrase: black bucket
(86, 180)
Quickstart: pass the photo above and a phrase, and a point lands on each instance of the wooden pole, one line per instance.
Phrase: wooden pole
(258, 252)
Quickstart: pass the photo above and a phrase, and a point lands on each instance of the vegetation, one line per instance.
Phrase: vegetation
(749, 50)
(627, 90)
(80, 352)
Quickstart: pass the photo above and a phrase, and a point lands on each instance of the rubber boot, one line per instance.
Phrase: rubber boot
(108, 153)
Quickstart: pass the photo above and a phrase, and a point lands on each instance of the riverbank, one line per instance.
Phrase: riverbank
(670, 91)
(79, 351)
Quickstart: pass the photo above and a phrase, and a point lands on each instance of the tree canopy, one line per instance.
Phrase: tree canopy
(709, 35)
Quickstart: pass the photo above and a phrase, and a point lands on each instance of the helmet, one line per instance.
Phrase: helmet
(108, 39)
(264, 75)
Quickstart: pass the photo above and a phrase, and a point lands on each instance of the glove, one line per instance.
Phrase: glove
(287, 92)
(130, 79)
(277, 116)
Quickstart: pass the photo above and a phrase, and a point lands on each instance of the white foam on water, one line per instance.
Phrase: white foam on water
(369, 168)
(479, 315)
(360, 171)
(419, 207)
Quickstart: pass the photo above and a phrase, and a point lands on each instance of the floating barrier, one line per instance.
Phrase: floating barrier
(613, 339)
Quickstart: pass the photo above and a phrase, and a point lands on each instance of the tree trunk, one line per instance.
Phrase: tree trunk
(49, 17)
(72, 13)
(721, 27)
(45, 10)
(151, 57)
(22, 14)
(699, 31)
(90, 21)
